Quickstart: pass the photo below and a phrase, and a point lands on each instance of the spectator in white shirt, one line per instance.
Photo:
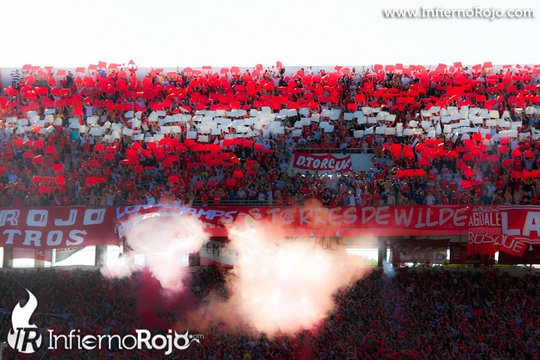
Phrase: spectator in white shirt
(352, 200)
(150, 200)
(430, 199)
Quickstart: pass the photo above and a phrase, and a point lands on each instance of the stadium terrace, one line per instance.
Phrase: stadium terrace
(402, 135)
(111, 135)
(264, 181)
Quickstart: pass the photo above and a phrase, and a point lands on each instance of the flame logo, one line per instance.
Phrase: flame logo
(188, 339)
(24, 336)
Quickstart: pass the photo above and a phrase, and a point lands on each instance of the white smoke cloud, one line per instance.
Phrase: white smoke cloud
(164, 238)
(286, 286)
(277, 285)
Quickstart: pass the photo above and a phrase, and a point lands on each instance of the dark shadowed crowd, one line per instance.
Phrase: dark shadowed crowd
(410, 314)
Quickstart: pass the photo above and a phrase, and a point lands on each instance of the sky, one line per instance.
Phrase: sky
(170, 33)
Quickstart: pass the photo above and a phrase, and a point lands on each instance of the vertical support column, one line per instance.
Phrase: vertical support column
(2, 345)
(100, 255)
(382, 252)
(6, 263)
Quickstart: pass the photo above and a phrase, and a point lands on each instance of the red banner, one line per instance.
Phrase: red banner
(488, 234)
(323, 221)
(318, 162)
(460, 255)
(56, 227)
(521, 223)
(489, 229)
(531, 256)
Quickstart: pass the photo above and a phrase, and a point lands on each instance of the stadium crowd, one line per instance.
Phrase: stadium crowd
(465, 315)
(102, 136)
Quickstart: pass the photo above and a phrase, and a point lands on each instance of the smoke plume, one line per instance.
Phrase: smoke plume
(164, 238)
(278, 285)
(282, 285)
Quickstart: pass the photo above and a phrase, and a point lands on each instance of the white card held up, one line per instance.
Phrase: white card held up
(408, 132)
(358, 134)
(95, 131)
(153, 117)
(516, 124)
(334, 114)
(202, 138)
(165, 129)
(304, 112)
(493, 114)
(380, 130)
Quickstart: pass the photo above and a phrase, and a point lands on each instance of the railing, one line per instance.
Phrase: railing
(334, 150)
(210, 202)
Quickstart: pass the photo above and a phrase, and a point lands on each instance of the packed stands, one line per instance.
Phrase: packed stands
(465, 314)
(111, 135)
(103, 136)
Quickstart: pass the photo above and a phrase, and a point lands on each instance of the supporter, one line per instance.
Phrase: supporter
(64, 164)
(416, 314)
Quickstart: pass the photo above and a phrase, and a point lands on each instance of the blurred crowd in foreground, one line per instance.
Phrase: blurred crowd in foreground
(413, 314)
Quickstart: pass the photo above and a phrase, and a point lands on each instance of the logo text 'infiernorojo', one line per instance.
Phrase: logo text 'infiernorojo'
(26, 337)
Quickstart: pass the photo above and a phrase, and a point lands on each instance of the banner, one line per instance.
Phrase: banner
(521, 223)
(56, 227)
(216, 253)
(64, 253)
(531, 256)
(488, 228)
(322, 162)
(30, 253)
(459, 255)
(419, 251)
(320, 221)
(487, 233)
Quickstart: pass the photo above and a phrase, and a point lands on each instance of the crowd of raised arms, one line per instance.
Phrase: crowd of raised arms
(103, 136)
(464, 315)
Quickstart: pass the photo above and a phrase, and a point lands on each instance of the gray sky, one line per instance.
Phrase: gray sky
(246, 32)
